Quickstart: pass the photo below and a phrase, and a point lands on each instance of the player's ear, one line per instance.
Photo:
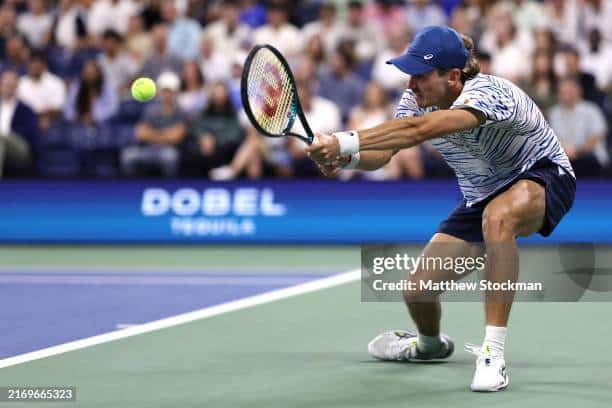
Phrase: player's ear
(454, 76)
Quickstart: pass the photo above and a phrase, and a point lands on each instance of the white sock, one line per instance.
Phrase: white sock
(428, 344)
(495, 337)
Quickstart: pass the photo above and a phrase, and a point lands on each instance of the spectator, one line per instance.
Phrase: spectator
(278, 32)
(542, 86)
(463, 21)
(151, 14)
(368, 38)
(545, 40)
(256, 155)
(596, 57)
(117, 66)
(35, 24)
(423, 13)
(184, 33)
(16, 55)
(233, 83)
(193, 97)
(114, 15)
(161, 130)
(386, 15)
(216, 132)
(160, 60)
(228, 34)
(327, 27)
(214, 62)
(581, 129)
(506, 44)
(597, 15)
(373, 110)
(71, 25)
(588, 85)
(8, 27)
(43, 91)
(340, 85)
(562, 18)
(315, 50)
(91, 99)
(139, 43)
(305, 70)
(392, 79)
(528, 15)
(18, 126)
(252, 13)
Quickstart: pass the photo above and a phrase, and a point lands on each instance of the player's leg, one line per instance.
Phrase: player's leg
(519, 211)
(424, 306)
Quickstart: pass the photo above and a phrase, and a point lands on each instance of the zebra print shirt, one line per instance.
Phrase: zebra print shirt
(513, 137)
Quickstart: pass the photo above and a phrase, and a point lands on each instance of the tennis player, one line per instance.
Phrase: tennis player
(515, 178)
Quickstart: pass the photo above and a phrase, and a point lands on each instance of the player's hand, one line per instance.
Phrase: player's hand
(333, 169)
(325, 149)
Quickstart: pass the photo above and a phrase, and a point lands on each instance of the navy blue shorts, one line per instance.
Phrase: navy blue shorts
(466, 222)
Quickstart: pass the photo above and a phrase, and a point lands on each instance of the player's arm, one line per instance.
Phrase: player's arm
(374, 159)
(411, 131)
(396, 134)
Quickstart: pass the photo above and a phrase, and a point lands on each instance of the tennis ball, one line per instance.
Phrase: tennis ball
(143, 89)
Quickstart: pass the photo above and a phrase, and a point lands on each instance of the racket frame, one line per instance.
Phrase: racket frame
(299, 112)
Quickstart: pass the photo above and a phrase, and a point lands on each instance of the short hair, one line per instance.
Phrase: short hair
(571, 50)
(38, 55)
(111, 34)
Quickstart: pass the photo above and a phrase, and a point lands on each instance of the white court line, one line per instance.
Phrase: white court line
(267, 297)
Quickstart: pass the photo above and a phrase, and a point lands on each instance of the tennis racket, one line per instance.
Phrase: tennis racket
(269, 94)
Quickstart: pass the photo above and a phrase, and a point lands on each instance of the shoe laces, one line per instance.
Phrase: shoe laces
(477, 350)
(407, 347)
(483, 355)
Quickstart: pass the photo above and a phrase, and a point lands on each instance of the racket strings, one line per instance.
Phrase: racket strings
(270, 93)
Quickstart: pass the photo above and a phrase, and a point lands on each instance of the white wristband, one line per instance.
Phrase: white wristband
(348, 141)
(353, 162)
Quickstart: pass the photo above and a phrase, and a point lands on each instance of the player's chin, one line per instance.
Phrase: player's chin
(421, 100)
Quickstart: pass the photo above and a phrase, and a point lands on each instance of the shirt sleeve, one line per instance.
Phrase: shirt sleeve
(407, 106)
(493, 102)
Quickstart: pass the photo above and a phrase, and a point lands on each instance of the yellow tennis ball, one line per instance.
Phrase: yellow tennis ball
(143, 89)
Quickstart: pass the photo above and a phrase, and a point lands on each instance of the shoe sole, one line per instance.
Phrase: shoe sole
(499, 388)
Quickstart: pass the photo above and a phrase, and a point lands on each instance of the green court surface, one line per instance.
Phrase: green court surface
(310, 350)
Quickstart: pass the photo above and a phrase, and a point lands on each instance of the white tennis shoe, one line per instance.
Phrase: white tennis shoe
(401, 345)
(491, 374)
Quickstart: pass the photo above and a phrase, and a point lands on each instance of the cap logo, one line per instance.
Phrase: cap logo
(428, 57)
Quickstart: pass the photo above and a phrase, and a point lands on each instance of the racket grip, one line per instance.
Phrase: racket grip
(315, 139)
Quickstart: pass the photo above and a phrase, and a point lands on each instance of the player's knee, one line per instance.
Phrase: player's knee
(498, 224)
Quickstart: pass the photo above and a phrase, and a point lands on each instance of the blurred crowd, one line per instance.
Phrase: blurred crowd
(66, 68)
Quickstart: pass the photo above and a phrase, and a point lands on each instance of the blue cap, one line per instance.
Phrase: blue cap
(432, 48)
